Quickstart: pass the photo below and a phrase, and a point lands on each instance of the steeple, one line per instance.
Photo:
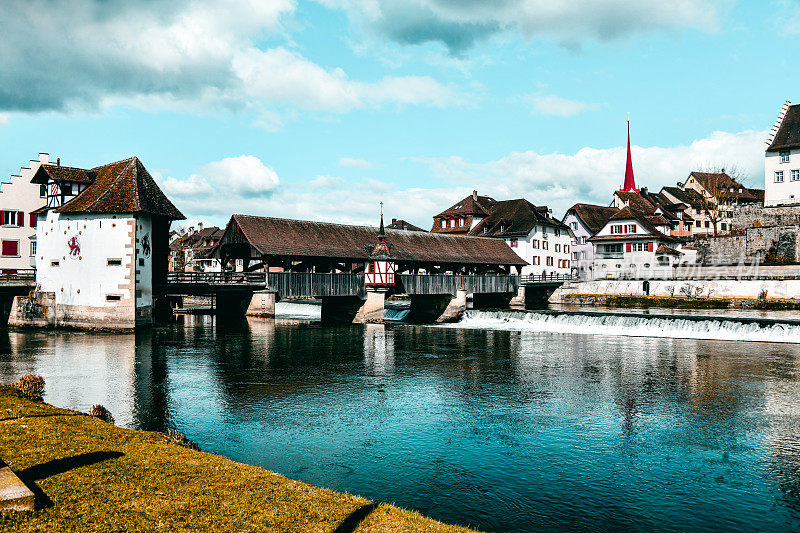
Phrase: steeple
(630, 182)
(382, 232)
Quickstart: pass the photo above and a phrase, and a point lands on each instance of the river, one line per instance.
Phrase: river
(493, 423)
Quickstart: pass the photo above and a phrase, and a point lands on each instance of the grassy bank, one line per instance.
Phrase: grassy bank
(92, 476)
(657, 301)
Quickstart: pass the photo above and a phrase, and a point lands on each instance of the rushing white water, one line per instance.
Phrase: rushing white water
(299, 309)
(616, 325)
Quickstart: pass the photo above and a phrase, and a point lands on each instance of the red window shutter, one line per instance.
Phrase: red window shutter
(10, 248)
(32, 217)
(649, 246)
(20, 218)
(2, 217)
(628, 247)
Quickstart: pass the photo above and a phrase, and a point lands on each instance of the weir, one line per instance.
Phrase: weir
(633, 325)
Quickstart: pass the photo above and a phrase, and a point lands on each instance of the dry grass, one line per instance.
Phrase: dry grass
(92, 476)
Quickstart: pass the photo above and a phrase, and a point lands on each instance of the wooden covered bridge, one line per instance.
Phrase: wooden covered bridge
(305, 259)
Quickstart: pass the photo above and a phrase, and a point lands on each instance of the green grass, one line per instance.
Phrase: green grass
(658, 301)
(92, 476)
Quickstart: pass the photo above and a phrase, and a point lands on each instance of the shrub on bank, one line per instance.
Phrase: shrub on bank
(98, 411)
(31, 386)
(776, 305)
(181, 440)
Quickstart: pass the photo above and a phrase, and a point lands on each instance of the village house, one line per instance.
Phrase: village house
(585, 220)
(680, 223)
(782, 159)
(398, 223)
(720, 196)
(190, 250)
(19, 198)
(102, 247)
(633, 245)
(463, 216)
(531, 231)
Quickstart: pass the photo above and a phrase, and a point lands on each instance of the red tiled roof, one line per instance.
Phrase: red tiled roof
(515, 218)
(666, 250)
(58, 173)
(714, 182)
(122, 187)
(302, 238)
(594, 217)
(481, 206)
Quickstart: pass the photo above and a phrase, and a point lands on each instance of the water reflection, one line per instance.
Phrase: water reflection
(504, 430)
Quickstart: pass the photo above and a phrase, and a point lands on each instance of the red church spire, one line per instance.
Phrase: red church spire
(630, 182)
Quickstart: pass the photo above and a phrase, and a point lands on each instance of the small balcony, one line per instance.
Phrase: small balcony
(608, 255)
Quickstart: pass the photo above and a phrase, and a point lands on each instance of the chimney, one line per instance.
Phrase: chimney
(722, 171)
(474, 196)
(394, 220)
(644, 190)
(191, 230)
(199, 226)
(58, 161)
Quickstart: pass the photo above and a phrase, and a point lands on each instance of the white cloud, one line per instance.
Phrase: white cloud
(556, 180)
(557, 106)
(458, 24)
(354, 162)
(4, 119)
(157, 54)
(243, 175)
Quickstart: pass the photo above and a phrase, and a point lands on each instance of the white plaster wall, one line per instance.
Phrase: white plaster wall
(787, 192)
(19, 194)
(526, 251)
(86, 279)
(585, 252)
(144, 261)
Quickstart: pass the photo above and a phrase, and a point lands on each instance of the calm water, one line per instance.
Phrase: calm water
(502, 430)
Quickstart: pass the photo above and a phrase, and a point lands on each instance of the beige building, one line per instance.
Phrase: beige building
(18, 199)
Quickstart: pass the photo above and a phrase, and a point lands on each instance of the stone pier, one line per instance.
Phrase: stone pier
(263, 304)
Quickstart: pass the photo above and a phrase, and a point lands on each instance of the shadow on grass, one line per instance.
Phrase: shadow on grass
(352, 521)
(35, 473)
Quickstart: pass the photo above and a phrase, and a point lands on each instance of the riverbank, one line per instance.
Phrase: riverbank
(92, 476)
(643, 301)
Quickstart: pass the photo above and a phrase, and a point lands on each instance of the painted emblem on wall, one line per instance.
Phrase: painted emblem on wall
(74, 246)
(146, 245)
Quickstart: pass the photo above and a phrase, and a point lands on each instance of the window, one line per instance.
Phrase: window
(460, 222)
(141, 262)
(33, 248)
(54, 263)
(558, 247)
(549, 261)
(697, 223)
(514, 243)
(784, 156)
(631, 228)
(795, 175)
(779, 176)
(34, 219)
(535, 244)
(557, 232)
(10, 218)
(113, 297)
(9, 248)
(724, 226)
(545, 245)
(584, 240)
(114, 262)
(42, 190)
(537, 260)
(566, 248)
(66, 189)
(708, 225)
(573, 225)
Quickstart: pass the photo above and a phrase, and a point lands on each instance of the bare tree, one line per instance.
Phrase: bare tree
(721, 190)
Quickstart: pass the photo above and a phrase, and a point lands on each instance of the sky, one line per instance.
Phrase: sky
(323, 109)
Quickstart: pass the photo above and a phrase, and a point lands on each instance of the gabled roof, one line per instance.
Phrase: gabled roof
(49, 172)
(515, 218)
(594, 217)
(636, 201)
(629, 214)
(122, 187)
(663, 249)
(788, 135)
(713, 182)
(690, 197)
(304, 238)
(398, 223)
(471, 205)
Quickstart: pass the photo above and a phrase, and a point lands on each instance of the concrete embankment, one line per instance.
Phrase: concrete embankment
(766, 294)
(92, 476)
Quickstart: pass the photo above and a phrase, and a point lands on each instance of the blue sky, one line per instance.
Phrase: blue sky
(323, 109)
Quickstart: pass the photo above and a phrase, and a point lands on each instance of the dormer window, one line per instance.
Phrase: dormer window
(784, 156)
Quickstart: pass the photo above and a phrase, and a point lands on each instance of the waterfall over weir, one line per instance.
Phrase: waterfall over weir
(630, 325)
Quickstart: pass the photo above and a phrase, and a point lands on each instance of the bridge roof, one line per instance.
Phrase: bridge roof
(303, 238)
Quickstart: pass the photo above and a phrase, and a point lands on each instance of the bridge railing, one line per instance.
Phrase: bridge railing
(309, 284)
(450, 283)
(217, 278)
(544, 278)
(20, 275)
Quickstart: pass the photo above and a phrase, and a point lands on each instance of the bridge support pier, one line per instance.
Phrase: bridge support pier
(534, 296)
(455, 308)
(371, 312)
(342, 309)
(262, 304)
(232, 305)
